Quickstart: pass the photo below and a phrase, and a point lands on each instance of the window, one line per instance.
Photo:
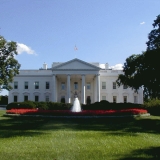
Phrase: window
(114, 99)
(124, 86)
(25, 98)
(36, 98)
(75, 85)
(114, 85)
(103, 97)
(47, 85)
(125, 99)
(25, 85)
(103, 85)
(36, 85)
(15, 98)
(62, 99)
(62, 86)
(15, 85)
(47, 98)
(135, 99)
(88, 85)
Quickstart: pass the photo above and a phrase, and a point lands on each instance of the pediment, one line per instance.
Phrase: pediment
(75, 64)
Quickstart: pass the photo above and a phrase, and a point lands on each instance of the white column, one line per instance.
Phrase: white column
(54, 88)
(68, 89)
(98, 87)
(83, 90)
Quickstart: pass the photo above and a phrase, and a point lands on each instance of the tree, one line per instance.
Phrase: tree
(142, 70)
(154, 35)
(9, 66)
(3, 100)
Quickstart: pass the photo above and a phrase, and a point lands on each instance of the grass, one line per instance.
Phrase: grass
(23, 138)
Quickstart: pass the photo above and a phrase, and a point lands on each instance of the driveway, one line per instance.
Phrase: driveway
(2, 108)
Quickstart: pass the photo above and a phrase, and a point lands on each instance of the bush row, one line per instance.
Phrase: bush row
(3, 100)
(40, 105)
(105, 105)
(153, 106)
(102, 105)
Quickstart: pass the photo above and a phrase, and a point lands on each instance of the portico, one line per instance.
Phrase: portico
(72, 77)
(65, 86)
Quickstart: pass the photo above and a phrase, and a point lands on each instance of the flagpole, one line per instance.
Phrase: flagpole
(75, 49)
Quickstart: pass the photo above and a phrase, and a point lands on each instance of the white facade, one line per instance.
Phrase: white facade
(63, 80)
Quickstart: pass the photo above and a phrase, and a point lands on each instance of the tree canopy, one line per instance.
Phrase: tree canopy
(142, 70)
(9, 66)
(154, 35)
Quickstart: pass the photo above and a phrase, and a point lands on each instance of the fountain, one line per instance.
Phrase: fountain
(76, 104)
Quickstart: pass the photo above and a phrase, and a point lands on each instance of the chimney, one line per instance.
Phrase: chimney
(106, 66)
(44, 66)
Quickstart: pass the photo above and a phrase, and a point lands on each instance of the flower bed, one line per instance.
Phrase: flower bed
(83, 113)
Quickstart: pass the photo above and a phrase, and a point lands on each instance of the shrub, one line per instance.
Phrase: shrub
(18, 105)
(153, 106)
(105, 105)
(42, 105)
(67, 106)
(124, 105)
(95, 106)
(27, 104)
(62, 100)
(58, 106)
(12, 105)
(3, 100)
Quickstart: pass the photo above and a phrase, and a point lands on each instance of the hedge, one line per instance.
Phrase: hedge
(40, 105)
(105, 105)
(102, 105)
(153, 106)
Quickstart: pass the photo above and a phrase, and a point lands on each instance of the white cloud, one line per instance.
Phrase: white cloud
(117, 67)
(142, 23)
(102, 66)
(24, 48)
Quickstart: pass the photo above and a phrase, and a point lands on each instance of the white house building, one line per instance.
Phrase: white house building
(63, 80)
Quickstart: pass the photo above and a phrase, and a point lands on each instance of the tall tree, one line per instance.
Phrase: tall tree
(142, 70)
(9, 66)
(154, 35)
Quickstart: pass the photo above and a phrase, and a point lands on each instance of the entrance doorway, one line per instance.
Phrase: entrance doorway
(88, 100)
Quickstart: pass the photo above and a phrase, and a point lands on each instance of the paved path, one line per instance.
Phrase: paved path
(2, 108)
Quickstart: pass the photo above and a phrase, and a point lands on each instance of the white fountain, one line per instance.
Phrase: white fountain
(76, 104)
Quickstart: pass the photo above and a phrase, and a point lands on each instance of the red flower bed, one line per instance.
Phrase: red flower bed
(83, 113)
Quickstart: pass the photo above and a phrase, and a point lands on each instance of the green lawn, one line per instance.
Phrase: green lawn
(79, 139)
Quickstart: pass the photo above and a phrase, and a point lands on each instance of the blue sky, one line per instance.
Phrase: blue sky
(104, 31)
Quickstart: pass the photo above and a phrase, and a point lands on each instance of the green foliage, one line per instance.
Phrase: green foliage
(20, 105)
(12, 105)
(27, 104)
(59, 106)
(40, 105)
(105, 105)
(154, 35)
(142, 70)
(3, 100)
(153, 106)
(9, 66)
(102, 105)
